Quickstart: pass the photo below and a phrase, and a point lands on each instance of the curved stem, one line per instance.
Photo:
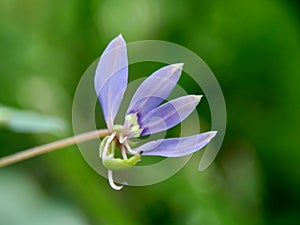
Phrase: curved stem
(29, 153)
(112, 183)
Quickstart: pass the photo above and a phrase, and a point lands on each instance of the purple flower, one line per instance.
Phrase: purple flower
(145, 114)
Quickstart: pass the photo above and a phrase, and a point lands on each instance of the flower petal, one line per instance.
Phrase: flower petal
(111, 78)
(155, 89)
(176, 147)
(168, 114)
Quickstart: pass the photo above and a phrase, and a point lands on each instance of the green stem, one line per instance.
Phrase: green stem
(32, 152)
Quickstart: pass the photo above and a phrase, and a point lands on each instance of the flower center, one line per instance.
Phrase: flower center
(120, 138)
(107, 154)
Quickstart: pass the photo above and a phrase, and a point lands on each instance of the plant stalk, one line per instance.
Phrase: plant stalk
(35, 151)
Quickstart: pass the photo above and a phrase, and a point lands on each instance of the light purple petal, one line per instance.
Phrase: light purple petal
(168, 114)
(155, 89)
(176, 147)
(111, 78)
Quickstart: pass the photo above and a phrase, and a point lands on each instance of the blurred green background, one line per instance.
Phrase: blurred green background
(253, 49)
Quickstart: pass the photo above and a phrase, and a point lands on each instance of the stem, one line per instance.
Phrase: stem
(29, 153)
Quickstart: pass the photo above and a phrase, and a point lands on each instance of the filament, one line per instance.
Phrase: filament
(107, 144)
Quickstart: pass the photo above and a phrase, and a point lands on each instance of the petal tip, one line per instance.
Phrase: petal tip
(118, 41)
(212, 134)
(175, 69)
(120, 36)
(197, 98)
(178, 66)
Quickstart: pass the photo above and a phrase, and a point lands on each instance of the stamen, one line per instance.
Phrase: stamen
(122, 139)
(107, 144)
(112, 183)
(128, 148)
(123, 151)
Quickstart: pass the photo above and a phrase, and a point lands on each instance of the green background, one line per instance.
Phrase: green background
(253, 49)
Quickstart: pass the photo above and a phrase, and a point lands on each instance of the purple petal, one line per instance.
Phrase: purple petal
(155, 89)
(111, 78)
(168, 114)
(176, 147)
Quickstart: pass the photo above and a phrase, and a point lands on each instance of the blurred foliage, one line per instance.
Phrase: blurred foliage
(25, 121)
(17, 191)
(252, 47)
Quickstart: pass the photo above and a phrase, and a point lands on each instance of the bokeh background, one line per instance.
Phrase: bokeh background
(253, 49)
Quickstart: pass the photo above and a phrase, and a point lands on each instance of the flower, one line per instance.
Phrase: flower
(145, 114)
